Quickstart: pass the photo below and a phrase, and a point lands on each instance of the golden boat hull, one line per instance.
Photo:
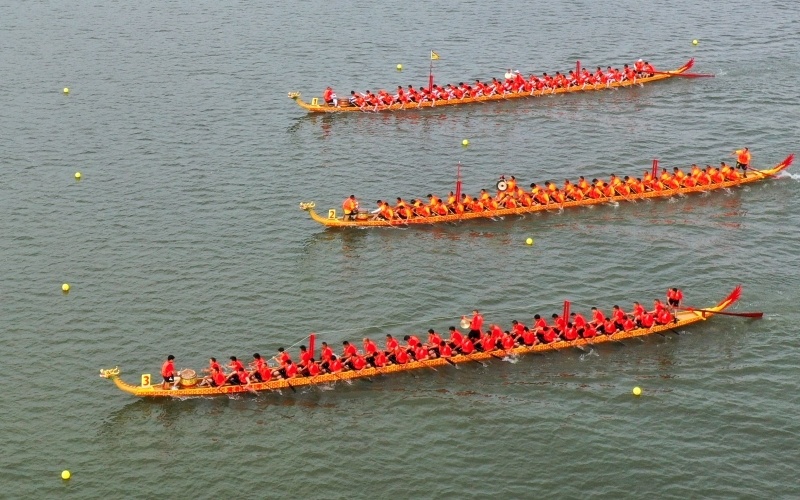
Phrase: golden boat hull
(335, 221)
(346, 107)
(684, 318)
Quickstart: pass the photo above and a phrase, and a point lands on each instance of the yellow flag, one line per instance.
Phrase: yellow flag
(434, 56)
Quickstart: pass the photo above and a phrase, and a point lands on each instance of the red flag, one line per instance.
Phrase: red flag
(566, 312)
(655, 169)
(577, 69)
(311, 339)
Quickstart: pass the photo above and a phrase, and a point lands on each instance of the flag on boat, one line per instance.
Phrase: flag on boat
(434, 56)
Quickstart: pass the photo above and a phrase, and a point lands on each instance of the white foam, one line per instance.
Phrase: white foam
(790, 175)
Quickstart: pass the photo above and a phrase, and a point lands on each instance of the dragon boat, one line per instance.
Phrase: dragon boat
(684, 317)
(333, 219)
(317, 105)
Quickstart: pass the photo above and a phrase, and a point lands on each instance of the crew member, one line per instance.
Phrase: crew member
(168, 372)
(475, 325)
(674, 297)
(350, 207)
(329, 96)
(742, 159)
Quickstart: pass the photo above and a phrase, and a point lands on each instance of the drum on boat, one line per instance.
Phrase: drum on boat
(362, 216)
(464, 323)
(188, 378)
(502, 185)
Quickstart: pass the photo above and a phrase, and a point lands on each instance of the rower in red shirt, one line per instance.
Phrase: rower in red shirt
(445, 351)
(380, 359)
(434, 339)
(570, 332)
(618, 315)
(291, 370)
(538, 322)
(485, 343)
(335, 365)
(357, 362)
(235, 364)
(412, 341)
(400, 356)
(259, 366)
(370, 349)
(325, 356)
(215, 379)
(507, 341)
(548, 335)
(638, 312)
(305, 358)
(589, 331)
(528, 337)
(628, 324)
(598, 319)
(455, 338)
(168, 373)
(420, 352)
(348, 351)
(610, 326)
(578, 320)
(313, 369)
(391, 343)
(212, 364)
(282, 356)
(467, 347)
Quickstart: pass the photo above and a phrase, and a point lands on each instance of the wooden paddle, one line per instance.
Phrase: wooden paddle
(755, 315)
(685, 75)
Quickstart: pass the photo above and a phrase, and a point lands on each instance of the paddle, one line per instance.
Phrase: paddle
(685, 75)
(760, 172)
(755, 315)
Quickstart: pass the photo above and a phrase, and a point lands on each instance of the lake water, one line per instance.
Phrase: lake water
(184, 237)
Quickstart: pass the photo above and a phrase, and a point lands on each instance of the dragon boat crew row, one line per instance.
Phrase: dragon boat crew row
(568, 327)
(511, 195)
(512, 83)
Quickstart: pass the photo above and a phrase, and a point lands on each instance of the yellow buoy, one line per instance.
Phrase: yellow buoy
(399, 67)
(637, 391)
(65, 287)
(465, 142)
(695, 42)
(66, 90)
(78, 175)
(529, 241)
(65, 474)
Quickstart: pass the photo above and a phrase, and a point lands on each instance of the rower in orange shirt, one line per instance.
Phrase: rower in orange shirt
(420, 209)
(539, 195)
(583, 186)
(742, 159)
(729, 173)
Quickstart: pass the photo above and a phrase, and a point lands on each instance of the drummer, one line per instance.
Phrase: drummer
(168, 373)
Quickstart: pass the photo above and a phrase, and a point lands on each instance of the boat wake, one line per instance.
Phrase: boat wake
(790, 175)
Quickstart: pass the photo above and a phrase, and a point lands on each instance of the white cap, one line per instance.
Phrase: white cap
(639, 60)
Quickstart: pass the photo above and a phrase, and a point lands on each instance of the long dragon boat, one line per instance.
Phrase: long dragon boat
(684, 317)
(364, 220)
(317, 105)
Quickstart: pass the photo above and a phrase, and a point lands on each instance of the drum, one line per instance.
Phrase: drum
(502, 186)
(362, 216)
(188, 378)
(464, 323)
